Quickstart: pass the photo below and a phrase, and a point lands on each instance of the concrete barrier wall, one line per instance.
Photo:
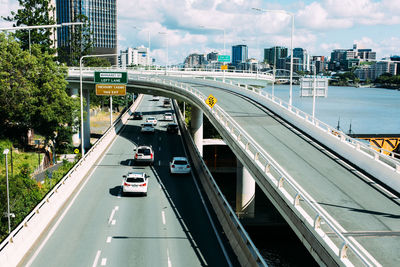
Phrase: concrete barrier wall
(23, 237)
(239, 240)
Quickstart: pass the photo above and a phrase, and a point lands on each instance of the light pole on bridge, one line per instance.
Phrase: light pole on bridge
(291, 45)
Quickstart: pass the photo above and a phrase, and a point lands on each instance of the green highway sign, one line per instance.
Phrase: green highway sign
(113, 77)
(224, 58)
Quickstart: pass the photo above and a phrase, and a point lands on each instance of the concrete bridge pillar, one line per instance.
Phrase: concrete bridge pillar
(86, 121)
(245, 192)
(197, 128)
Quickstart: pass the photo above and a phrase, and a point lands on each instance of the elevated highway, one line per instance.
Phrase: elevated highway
(321, 181)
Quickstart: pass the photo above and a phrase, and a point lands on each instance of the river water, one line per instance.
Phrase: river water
(368, 110)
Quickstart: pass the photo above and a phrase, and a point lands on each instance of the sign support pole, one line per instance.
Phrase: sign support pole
(111, 111)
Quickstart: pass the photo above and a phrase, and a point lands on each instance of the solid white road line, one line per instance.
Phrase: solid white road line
(163, 217)
(103, 261)
(108, 239)
(96, 259)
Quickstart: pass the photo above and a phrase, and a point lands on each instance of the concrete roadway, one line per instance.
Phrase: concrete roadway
(169, 227)
(369, 215)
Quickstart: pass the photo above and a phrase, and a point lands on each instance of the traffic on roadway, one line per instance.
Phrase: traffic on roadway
(132, 213)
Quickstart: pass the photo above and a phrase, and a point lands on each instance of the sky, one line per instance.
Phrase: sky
(198, 26)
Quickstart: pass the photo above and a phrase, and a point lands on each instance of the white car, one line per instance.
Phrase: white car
(156, 98)
(147, 127)
(168, 117)
(152, 120)
(144, 154)
(135, 182)
(179, 165)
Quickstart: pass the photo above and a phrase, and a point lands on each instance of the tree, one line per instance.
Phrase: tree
(79, 42)
(34, 92)
(32, 13)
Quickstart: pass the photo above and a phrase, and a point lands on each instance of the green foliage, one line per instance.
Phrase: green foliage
(80, 42)
(96, 62)
(25, 193)
(388, 80)
(32, 13)
(34, 92)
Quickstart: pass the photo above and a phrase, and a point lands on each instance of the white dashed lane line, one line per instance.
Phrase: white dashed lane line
(103, 261)
(163, 216)
(110, 219)
(108, 239)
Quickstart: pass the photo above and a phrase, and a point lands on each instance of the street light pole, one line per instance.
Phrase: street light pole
(29, 28)
(5, 152)
(166, 36)
(291, 46)
(81, 95)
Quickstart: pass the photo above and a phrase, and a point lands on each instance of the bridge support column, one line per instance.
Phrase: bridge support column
(76, 141)
(197, 128)
(86, 121)
(245, 192)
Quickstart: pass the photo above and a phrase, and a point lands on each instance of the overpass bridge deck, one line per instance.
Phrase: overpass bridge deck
(365, 213)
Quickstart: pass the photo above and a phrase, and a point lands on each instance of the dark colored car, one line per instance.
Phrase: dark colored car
(172, 128)
(138, 116)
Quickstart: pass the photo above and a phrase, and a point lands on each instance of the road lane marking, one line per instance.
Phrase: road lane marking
(163, 216)
(159, 163)
(96, 259)
(110, 219)
(103, 261)
(159, 138)
(113, 222)
(159, 148)
(108, 239)
(169, 260)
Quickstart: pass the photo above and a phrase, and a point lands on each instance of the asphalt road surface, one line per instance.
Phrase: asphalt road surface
(101, 227)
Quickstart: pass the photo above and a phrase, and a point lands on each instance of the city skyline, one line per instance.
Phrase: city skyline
(197, 26)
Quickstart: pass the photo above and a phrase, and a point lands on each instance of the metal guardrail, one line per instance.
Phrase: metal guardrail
(315, 217)
(392, 159)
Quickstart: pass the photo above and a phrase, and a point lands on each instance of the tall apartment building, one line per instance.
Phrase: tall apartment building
(138, 56)
(304, 59)
(239, 54)
(195, 61)
(273, 54)
(371, 72)
(102, 16)
(212, 56)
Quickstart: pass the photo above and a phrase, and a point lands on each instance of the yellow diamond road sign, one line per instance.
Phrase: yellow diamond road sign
(211, 100)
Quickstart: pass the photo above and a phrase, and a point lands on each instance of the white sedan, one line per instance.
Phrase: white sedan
(152, 120)
(179, 165)
(168, 116)
(135, 182)
(147, 127)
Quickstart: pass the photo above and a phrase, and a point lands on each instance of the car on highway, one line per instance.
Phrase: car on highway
(147, 127)
(144, 154)
(135, 183)
(156, 98)
(138, 115)
(152, 120)
(179, 165)
(168, 116)
(167, 102)
(172, 128)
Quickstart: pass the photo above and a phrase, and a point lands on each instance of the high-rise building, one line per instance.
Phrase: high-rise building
(102, 18)
(239, 54)
(138, 56)
(195, 61)
(273, 54)
(348, 58)
(302, 54)
(213, 56)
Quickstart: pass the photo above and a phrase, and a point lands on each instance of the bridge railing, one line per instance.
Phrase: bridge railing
(378, 154)
(347, 250)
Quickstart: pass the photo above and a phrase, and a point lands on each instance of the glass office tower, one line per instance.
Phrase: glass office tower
(239, 54)
(102, 16)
